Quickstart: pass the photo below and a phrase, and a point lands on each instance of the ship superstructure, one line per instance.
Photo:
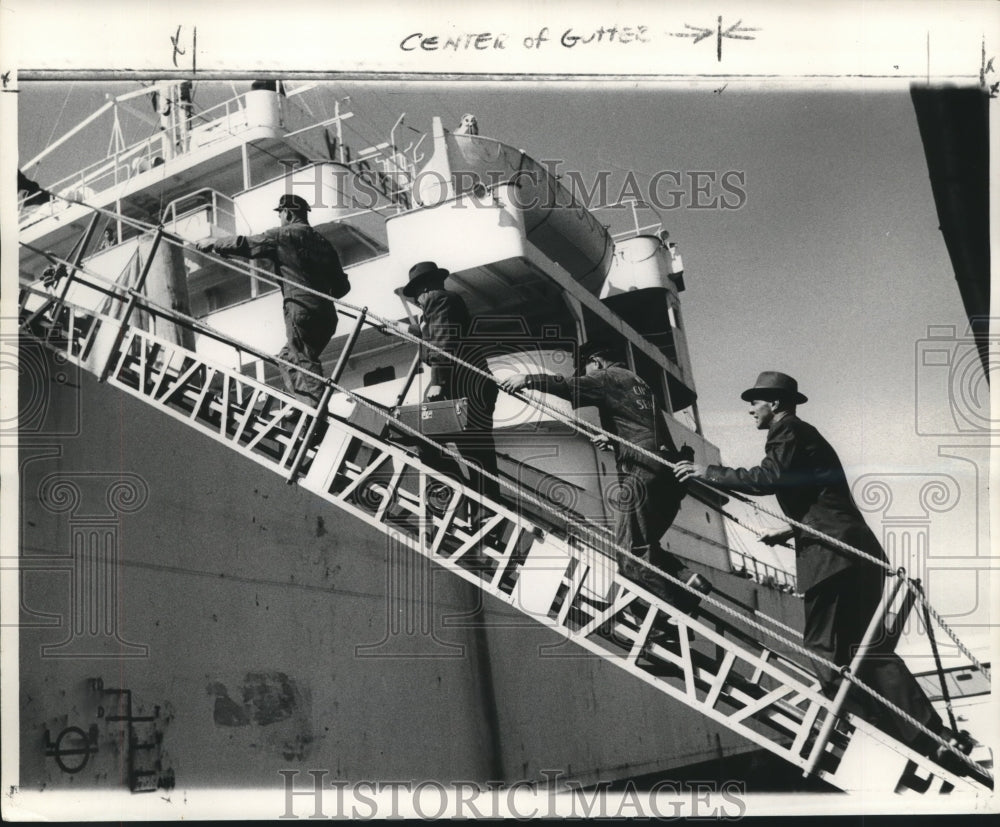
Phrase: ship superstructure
(522, 658)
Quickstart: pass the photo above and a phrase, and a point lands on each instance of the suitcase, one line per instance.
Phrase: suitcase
(448, 416)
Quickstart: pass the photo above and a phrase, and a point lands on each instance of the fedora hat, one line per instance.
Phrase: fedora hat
(292, 202)
(774, 385)
(421, 273)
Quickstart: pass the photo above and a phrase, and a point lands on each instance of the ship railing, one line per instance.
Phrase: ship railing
(635, 206)
(206, 208)
(113, 170)
(219, 122)
(646, 229)
(392, 174)
(748, 566)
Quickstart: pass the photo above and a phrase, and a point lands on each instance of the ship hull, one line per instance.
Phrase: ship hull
(189, 618)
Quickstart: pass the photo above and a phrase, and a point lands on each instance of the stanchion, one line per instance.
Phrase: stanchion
(130, 306)
(875, 625)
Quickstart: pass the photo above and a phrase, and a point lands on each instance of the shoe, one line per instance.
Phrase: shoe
(662, 634)
(663, 631)
(688, 602)
(699, 584)
(945, 755)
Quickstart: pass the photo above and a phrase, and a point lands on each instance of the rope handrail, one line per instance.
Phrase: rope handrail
(584, 428)
(601, 542)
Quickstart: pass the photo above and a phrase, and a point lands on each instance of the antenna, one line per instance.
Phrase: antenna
(928, 57)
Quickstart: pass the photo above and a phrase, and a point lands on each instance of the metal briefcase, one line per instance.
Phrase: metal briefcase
(449, 416)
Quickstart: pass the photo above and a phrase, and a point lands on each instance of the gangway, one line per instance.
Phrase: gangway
(566, 581)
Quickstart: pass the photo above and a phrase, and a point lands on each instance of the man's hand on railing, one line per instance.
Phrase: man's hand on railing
(205, 245)
(515, 383)
(389, 327)
(777, 538)
(689, 470)
(602, 442)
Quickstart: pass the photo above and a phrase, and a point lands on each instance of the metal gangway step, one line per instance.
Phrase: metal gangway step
(568, 583)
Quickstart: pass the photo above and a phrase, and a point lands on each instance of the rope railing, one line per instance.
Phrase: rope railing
(600, 540)
(586, 429)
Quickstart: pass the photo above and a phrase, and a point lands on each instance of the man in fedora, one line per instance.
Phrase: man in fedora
(446, 324)
(649, 493)
(303, 259)
(842, 590)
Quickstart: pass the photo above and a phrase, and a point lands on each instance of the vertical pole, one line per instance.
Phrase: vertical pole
(78, 254)
(130, 306)
(246, 165)
(946, 696)
(340, 132)
(352, 340)
(88, 236)
(166, 285)
(116, 132)
(874, 625)
(410, 376)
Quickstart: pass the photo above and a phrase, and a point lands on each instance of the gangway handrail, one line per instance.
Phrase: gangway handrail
(585, 428)
(589, 430)
(601, 543)
(791, 644)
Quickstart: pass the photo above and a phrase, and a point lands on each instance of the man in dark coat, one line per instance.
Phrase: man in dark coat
(842, 590)
(301, 256)
(649, 493)
(446, 324)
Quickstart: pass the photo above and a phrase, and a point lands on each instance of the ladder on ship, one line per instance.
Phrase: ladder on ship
(565, 581)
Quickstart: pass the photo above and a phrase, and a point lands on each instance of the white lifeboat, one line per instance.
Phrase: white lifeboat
(554, 222)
